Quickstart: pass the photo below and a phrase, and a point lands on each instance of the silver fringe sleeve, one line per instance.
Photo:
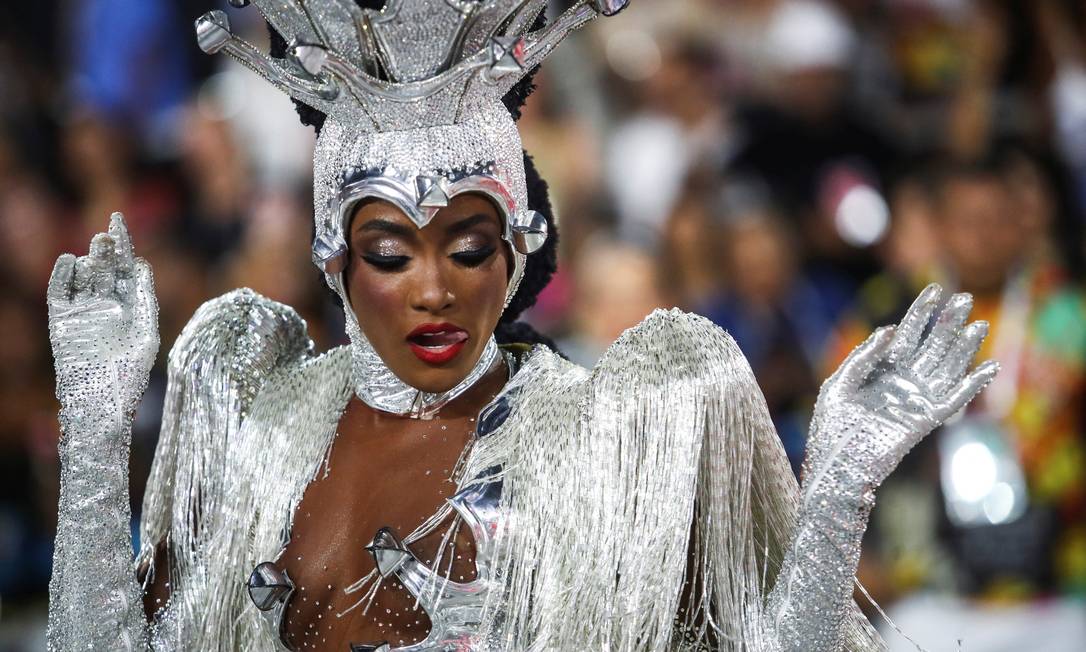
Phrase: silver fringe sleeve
(103, 327)
(747, 508)
(891, 392)
(223, 358)
(650, 500)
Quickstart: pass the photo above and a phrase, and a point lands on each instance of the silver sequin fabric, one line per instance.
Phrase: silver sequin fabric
(103, 327)
(615, 481)
(607, 474)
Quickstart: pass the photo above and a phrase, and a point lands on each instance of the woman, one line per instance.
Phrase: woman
(354, 500)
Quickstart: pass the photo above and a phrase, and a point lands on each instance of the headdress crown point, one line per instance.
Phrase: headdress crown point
(435, 59)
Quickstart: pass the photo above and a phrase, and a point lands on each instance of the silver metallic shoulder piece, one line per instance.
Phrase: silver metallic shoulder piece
(224, 356)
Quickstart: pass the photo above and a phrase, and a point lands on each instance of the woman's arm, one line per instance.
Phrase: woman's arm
(104, 334)
(892, 391)
(103, 326)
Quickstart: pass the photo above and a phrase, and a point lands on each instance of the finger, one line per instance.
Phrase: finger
(60, 281)
(81, 278)
(960, 357)
(967, 389)
(102, 263)
(859, 364)
(145, 304)
(103, 250)
(118, 230)
(913, 324)
(944, 333)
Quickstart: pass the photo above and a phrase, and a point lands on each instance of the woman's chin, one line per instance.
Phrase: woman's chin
(435, 380)
(434, 376)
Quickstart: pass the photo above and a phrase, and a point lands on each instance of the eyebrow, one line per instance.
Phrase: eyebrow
(386, 226)
(468, 222)
(394, 228)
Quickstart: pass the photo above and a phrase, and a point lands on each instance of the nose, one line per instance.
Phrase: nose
(432, 293)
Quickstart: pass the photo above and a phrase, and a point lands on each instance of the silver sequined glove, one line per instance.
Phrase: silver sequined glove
(103, 323)
(103, 326)
(890, 392)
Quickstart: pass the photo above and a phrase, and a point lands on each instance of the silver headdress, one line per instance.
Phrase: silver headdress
(413, 98)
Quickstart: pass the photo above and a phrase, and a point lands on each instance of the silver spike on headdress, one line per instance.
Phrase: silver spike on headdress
(413, 98)
(437, 59)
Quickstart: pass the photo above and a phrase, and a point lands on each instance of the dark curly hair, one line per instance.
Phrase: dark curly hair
(541, 265)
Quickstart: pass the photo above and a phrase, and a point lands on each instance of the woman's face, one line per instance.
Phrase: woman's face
(428, 299)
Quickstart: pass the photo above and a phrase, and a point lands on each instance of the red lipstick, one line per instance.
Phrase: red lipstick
(437, 344)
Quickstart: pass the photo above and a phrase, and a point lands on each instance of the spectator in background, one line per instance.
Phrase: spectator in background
(779, 318)
(218, 184)
(680, 128)
(692, 245)
(28, 438)
(129, 64)
(30, 233)
(616, 284)
(806, 131)
(992, 509)
(563, 143)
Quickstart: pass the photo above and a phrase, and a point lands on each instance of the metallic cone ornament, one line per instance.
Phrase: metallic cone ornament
(389, 552)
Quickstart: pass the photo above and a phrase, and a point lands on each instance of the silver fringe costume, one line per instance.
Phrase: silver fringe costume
(645, 504)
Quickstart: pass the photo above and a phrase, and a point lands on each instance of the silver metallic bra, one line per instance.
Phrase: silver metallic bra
(454, 608)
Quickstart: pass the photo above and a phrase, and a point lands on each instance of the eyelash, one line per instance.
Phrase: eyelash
(470, 258)
(474, 257)
(386, 263)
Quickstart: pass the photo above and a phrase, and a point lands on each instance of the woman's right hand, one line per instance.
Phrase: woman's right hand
(103, 325)
(896, 388)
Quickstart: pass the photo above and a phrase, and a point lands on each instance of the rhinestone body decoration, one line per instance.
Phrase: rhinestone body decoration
(455, 608)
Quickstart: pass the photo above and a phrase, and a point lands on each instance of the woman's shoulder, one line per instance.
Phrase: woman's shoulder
(242, 345)
(670, 353)
(217, 367)
(243, 330)
(671, 346)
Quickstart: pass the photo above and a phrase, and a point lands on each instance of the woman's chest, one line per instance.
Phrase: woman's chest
(381, 478)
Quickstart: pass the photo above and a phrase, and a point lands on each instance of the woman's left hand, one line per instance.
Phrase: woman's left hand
(893, 390)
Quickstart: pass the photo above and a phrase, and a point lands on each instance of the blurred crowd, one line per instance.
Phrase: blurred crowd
(794, 170)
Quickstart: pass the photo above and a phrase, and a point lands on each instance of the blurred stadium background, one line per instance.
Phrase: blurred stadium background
(794, 170)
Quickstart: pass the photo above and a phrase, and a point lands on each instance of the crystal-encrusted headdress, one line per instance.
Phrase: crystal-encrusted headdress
(413, 98)
(413, 93)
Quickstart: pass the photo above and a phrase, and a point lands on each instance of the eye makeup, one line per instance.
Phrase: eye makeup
(386, 263)
(474, 257)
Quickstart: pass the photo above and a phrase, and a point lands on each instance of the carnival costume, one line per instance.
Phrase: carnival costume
(645, 504)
